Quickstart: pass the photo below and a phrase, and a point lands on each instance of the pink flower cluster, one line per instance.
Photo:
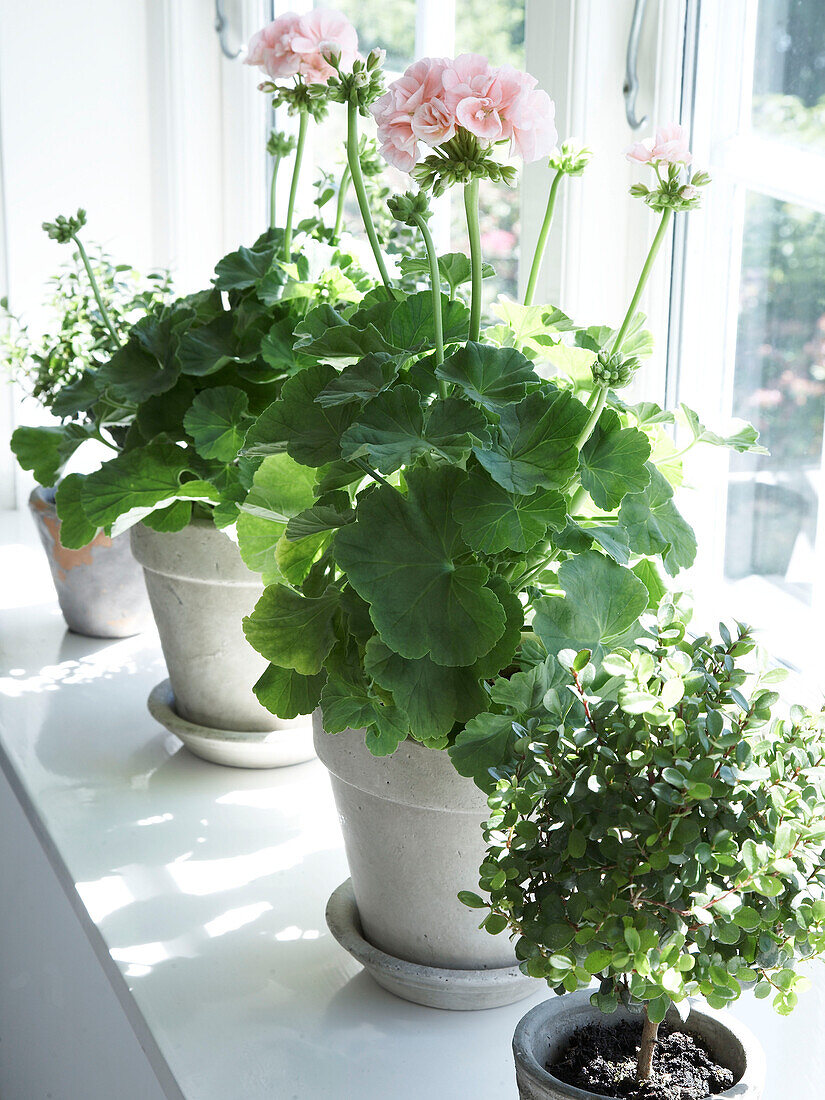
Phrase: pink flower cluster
(299, 45)
(669, 146)
(437, 95)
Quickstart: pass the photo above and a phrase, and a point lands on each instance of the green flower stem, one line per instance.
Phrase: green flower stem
(361, 191)
(535, 569)
(601, 391)
(99, 436)
(373, 473)
(593, 419)
(471, 209)
(667, 213)
(275, 166)
(435, 286)
(107, 320)
(343, 188)
(293, 191)
(541, 243)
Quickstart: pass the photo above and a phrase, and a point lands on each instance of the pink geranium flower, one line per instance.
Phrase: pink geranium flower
(300, 45)
(668, 146)
(322, 33)
(436, 96)
(419, 92)
(270, 48)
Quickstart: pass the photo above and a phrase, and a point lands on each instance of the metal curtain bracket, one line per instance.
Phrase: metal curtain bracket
(631, 80)
(221, 27)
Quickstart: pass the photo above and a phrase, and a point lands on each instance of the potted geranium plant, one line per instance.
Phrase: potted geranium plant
(658, 830)
(194, 375)
(453, 477)
(91, 305)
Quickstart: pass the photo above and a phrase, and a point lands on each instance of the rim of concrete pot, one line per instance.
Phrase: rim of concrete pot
(542, 1032)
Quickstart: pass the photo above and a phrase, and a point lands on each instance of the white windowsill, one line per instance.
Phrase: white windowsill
(203, 890)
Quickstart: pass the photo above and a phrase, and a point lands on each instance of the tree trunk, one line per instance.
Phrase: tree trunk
(644, 1065)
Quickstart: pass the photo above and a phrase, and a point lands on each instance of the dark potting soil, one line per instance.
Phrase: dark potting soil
(602, 1059)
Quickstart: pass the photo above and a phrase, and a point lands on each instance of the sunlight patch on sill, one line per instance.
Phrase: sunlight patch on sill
(104, 896)
(236, 918)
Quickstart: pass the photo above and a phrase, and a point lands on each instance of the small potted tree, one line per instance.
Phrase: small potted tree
(91, 305)
(657, 836)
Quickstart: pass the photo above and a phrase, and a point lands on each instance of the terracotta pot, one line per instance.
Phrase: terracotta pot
(100, 588)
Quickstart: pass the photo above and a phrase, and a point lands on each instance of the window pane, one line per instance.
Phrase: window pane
(789, 72)
(495, 29)
(779, 384)
(390, 25)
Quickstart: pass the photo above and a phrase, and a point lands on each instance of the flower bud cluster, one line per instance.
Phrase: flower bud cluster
(297, 98)
(673, 191)
(459, 161)
(362, 86)
(409, 207)
(64, 229)
(280, 144)
(613, 369)
(568, 159)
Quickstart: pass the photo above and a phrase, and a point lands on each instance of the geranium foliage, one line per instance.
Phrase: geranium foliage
(177, 398)
(462, 514)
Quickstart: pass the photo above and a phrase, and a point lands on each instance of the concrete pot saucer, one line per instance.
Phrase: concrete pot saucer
(234, 748)
(432, 986)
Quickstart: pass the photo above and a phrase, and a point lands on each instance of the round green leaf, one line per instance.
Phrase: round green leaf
(493, 520)
(217, 422)
(402, 555)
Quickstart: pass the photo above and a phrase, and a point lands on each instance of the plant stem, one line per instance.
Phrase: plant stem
(645, 275)
(593, 419)
(650, 1032)
(343, 187)
(435, 286)
(372, 473)
(361, 191)
(98, 436)
(471, 210)
(107, 320)
(275, 166)
(293, 190)
(601, 391)
(541, 243)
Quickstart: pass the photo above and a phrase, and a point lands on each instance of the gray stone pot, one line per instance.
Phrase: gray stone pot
(100, 587)
(412, 834)
(200, 591)
(543, 1032)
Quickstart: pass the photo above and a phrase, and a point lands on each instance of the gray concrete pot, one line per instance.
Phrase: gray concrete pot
(412, 833)
(100, 587)
(200, 591)
(543, 1032)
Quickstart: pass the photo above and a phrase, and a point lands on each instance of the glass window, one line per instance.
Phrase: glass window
(789, 72)
(779, 384)
(753, 324)
(495, 29)
(379, 23)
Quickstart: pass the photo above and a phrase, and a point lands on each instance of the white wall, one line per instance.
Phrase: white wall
(130, 110)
